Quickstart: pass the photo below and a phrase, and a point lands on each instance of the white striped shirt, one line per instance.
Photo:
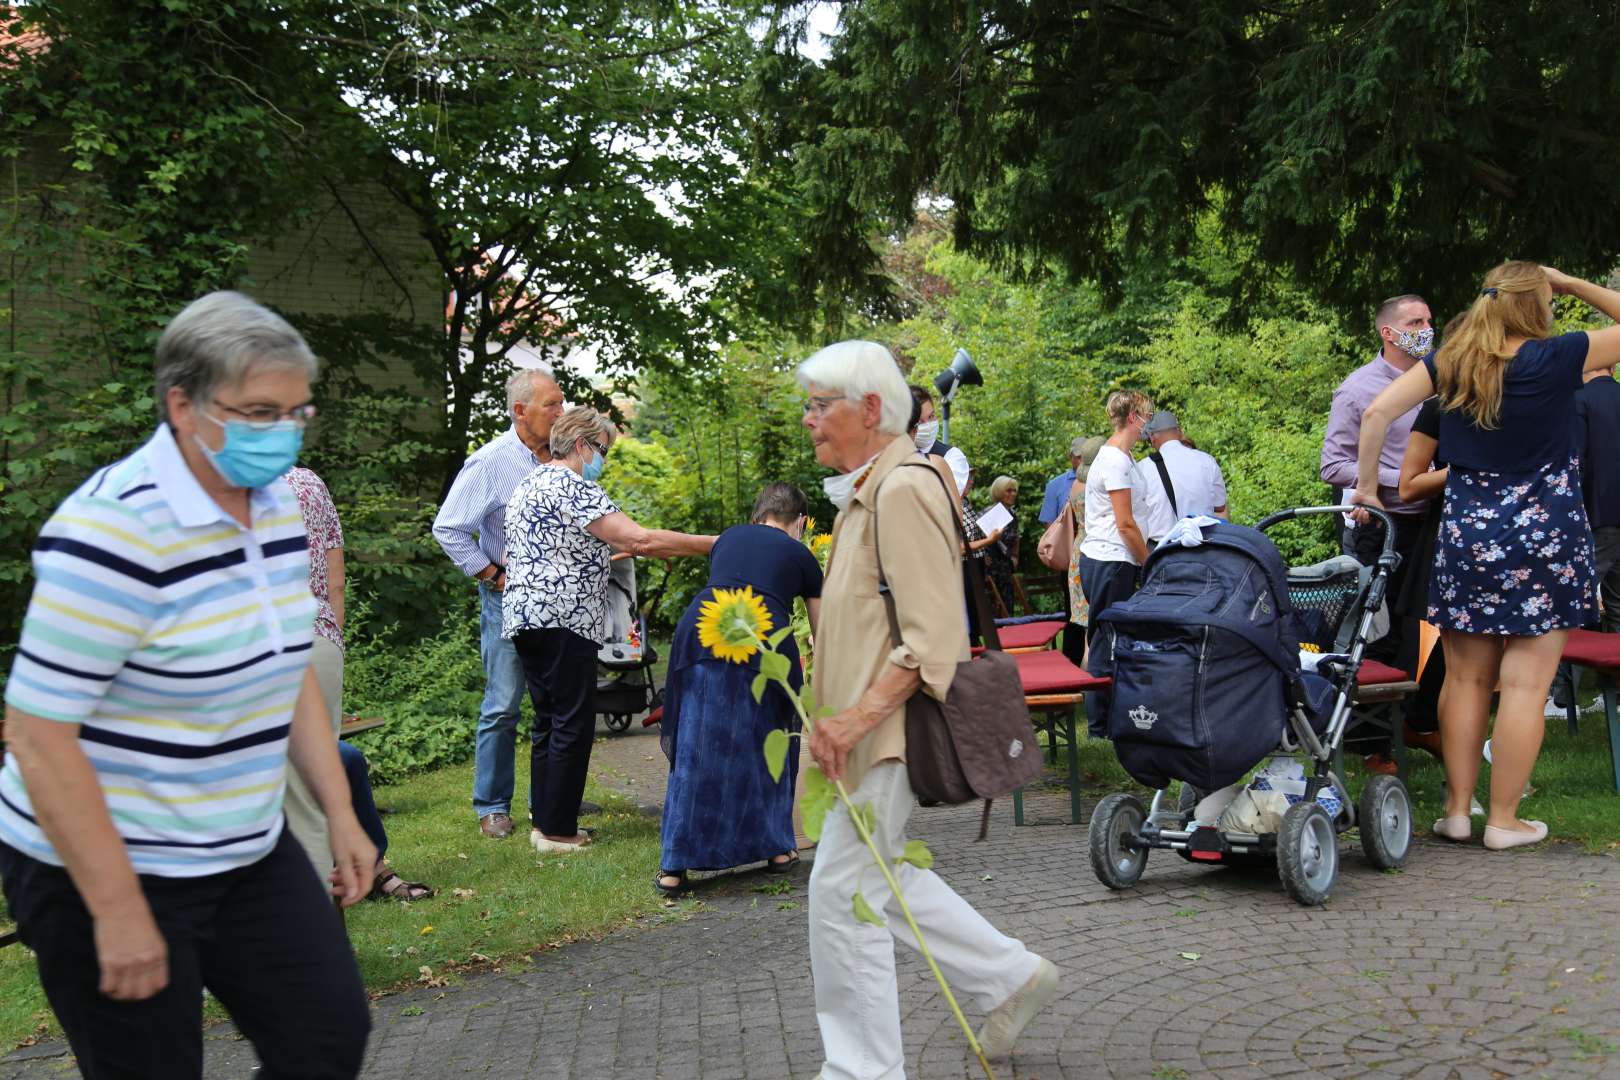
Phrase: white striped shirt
(177, 640)
(471, 525)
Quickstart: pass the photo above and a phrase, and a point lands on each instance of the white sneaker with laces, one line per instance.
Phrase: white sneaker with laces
(1554, 711)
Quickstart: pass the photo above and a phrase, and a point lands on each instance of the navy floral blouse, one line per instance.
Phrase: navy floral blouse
(556, 571)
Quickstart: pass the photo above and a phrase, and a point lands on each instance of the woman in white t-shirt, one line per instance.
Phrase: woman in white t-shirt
(1114, 546)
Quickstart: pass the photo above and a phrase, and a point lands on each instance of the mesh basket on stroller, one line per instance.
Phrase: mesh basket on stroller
(1207, 684)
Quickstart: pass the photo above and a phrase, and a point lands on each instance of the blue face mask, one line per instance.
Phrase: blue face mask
(592, 469)
(251, 457)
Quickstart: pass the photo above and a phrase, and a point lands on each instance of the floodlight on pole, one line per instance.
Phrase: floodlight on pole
(962, 372)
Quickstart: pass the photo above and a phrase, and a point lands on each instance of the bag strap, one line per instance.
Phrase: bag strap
(975, 582)
(987, 624)
(1164, 474)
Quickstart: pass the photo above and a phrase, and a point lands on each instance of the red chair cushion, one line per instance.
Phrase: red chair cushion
(1051, 672)
(1373, 673)
(1033, 635)
(1592, 649)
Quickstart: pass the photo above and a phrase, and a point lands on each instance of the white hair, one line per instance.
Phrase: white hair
(520, 387)
(218, 339)
(857, 368)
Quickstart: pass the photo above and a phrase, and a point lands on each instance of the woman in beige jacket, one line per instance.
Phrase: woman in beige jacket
(856, 413)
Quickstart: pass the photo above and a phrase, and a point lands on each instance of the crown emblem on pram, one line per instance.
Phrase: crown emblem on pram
(1143, 717)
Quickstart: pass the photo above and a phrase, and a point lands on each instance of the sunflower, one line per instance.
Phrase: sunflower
(820, 543)
(733, 624)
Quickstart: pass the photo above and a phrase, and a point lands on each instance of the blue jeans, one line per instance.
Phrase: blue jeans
(498, 716)
(365, 809)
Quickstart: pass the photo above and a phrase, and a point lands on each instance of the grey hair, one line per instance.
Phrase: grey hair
(580, 422)
(858, 368)
(217, 340)
(520, 387)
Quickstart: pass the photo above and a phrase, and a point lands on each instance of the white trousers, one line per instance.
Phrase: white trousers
(305, 819)
(857, 997)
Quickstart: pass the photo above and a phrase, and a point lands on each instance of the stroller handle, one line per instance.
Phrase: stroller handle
(1289, 515)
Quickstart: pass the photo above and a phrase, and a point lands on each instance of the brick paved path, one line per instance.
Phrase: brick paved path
(1466, 965)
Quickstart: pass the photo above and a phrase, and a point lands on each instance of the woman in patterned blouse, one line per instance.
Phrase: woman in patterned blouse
(561, 530)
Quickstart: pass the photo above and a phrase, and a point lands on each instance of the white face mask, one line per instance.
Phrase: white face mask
(927, 433)
(841, 488)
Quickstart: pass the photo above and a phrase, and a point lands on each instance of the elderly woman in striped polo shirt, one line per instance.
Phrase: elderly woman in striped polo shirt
(161, 685)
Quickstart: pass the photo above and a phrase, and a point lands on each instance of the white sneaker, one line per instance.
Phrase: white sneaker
(1008, 1020)
(1474, 808)
(1554, 711)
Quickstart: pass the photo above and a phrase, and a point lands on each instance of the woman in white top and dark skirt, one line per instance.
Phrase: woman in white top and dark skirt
(1513, 561)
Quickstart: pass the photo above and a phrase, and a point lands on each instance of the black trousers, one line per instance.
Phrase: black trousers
(1104, 584)
(1366, 542)
(264, 939)
(560, 668)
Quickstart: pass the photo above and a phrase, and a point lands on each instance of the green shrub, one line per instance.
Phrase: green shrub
(429, 689)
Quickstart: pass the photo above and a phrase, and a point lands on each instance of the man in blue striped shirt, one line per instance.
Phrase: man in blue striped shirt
(161, 685)
(471, 527)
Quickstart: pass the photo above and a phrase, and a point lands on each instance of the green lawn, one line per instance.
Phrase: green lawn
(1573, 781)
(496, 902)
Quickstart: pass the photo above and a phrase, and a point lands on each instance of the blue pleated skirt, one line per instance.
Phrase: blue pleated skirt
(722, 808)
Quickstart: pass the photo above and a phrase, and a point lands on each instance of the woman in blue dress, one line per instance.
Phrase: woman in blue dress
(722, 808)
(1512, 567)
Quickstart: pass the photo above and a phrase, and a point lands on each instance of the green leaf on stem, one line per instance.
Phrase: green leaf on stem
(819, 797)
(776, 639)
(864, 912)
(774, 666)
(869, 818)
(776, 750)
(807, 700)
(760, 682)
(917, 854)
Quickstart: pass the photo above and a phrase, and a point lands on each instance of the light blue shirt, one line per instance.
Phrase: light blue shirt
(471, 525)
(1057, 496)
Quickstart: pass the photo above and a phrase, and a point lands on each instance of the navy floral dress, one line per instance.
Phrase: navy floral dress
(1514, 554)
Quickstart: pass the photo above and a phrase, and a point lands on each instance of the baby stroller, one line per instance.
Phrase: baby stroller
(626, 658)
(1207, 684)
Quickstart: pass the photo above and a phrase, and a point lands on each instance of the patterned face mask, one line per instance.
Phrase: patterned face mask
(1416, 345)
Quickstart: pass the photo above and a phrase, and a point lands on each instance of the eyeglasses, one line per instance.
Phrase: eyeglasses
(598, 447)
(817, 405)
(265, 417)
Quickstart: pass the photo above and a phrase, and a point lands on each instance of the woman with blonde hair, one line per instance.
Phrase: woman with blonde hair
(1513, 561)
(1114, 547)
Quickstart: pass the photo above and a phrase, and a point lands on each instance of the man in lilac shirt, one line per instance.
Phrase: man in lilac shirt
(1406, 335)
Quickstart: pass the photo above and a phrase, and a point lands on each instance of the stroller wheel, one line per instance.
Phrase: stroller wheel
(1117, 820)
(617, 721)
(1386, 822)
(1307, 853)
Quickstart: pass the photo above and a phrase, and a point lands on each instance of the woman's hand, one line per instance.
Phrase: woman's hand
(994, 536)
(1562, 284)
(832, 739)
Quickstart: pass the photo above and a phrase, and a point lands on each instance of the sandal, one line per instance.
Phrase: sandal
(390, 886)
(670, 890)
(785, 866)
